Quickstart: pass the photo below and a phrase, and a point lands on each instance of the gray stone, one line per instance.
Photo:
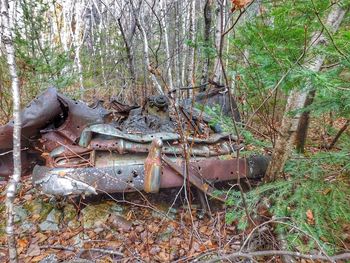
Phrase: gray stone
(27, 226)
(52, 221)
(49, 259)
(20, 214)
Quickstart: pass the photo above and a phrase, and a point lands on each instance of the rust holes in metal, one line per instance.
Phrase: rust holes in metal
(134, 174)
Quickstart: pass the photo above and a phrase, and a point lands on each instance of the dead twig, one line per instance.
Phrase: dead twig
(251, 255)
(74, 249)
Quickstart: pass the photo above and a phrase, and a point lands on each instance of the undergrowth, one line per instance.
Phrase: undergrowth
(314, 200)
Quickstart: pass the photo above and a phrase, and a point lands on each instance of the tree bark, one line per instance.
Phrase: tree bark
(7, 32)
(303, 127)
(296, 101)
(339, 133)
(78, 40)
(145, 50)
(218, 41)
(166, 41)
(129, 53)
(207, 28)
(190, 68)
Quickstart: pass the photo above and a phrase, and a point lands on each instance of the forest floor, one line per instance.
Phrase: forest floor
(136, 227)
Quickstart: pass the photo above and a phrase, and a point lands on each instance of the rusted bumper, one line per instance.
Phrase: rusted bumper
(114, 173)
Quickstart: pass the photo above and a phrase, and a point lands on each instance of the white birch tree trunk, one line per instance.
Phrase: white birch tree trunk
(192, 26)
(145, 51)
(296, 101)
(7, 29)
(78, 39)
(166, 41)
(185, 23)
(177, 46)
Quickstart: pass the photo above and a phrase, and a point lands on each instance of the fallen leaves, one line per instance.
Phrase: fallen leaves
(136, 232)
(310, 217)
(239, 4)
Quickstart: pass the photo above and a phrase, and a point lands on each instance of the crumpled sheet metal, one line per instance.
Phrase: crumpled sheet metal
(39, 113)
(41, 116)
(111, 174)
(107, 129)
(79, 117)
(44, 111)
(6, 163)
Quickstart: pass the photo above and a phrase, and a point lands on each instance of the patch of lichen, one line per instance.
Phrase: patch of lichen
(38, 209)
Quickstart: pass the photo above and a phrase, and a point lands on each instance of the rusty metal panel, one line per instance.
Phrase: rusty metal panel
(107, 129)
(129, 175)
(51, 140)
(39, 113)
(193, 178)
(6, 163)
(123, 146)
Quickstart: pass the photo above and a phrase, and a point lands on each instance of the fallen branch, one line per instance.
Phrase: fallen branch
(74, 249)
(339, 133)
(251, 255)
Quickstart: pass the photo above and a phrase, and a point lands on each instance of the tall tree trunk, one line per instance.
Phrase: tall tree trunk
(129, 53)
(303, 126)
(78, 39)
(207, 28)
(7, 29)
(185, 24)
(191, 54)
(151, 70)
(296, 101)
(166, 41)
(218, 40)
(177, 48)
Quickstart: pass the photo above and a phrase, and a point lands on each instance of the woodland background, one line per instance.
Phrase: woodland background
(261, 51)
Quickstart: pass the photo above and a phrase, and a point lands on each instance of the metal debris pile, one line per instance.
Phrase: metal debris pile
(113, 147)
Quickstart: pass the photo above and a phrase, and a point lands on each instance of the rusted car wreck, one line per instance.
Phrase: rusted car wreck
(73, 148)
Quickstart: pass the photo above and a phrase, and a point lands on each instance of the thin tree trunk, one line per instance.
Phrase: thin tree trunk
(340, 132)
(145, 50)
(218, 38)
(185, 23)
(78, 41)
(190, 68)
(166, 41)
(7, 24)
(177, 48)
(207, 28)
(129, 53)
(296, 101)
(303, 127)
